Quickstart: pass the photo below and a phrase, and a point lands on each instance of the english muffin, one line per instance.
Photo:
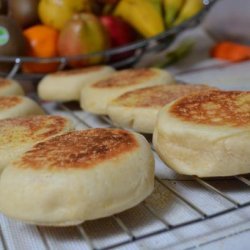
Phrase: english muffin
(10, 87)
(19, 134)
(18, 106)
(138, 109)
(207, 134)
(96, 97)
(67, 85)
(78, 176)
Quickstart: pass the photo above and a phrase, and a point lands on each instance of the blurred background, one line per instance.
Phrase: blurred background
(227, 21)
(192, 38)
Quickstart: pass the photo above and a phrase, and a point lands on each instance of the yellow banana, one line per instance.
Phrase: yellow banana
(171, 8)
(142, 15)
(189, 9)
(157, 4)
(84, 5)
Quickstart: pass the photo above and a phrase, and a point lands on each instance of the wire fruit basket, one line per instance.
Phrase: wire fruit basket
(120, 57)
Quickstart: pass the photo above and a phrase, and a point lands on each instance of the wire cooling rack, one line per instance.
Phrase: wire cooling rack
(177, 202)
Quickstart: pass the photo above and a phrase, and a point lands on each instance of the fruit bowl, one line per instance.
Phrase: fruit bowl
(120, 57)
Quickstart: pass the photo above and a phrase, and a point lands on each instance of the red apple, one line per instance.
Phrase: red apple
(120, 32)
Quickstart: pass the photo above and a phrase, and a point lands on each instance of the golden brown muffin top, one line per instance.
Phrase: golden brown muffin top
(79, 149)
(15, 131)
(126, 77)
(158, 96)
(215, 108)
(4, 82)
(9, 101)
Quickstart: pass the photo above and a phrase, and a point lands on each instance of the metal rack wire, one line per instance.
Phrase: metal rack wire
(188, 195)
(149, 219)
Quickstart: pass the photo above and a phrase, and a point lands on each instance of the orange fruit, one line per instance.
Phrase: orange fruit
(42, 43)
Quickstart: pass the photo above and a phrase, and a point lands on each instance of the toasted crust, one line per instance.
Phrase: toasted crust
(17, 135)
(18, 106)
(4, 83)
(78, 71)
(75, 190)
(215, 108)
(96, 97)
(126, 78)
(138, 109)
(7, 102)
(79, 149)
(206, 134)
(158, 96)
(36, 128)
(67, 85)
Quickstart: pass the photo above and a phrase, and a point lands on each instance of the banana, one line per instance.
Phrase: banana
(171, 9)
(143, 15)
(189, 9)
(157, 4)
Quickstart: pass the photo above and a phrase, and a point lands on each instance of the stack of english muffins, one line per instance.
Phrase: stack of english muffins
(58, 176)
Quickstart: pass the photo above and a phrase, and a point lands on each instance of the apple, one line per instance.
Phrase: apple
(83, 34)
(120, 32)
